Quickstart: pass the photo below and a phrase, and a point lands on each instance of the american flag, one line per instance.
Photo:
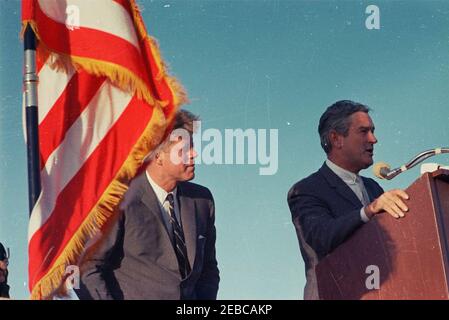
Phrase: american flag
(105, 101)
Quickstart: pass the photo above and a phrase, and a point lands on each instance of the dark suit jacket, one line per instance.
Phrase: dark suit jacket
(325, 212)
(137, 261)
(4, 290)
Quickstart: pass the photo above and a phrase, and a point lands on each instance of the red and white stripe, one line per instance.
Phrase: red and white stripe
(87, 125)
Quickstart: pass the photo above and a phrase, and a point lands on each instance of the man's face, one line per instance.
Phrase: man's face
(3, 270)
(357, 148)
(178, 160)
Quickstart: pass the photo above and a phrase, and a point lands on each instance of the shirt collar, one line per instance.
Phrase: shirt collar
(161, 194)
(347, 176)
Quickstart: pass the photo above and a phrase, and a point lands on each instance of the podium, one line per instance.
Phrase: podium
(408, 256)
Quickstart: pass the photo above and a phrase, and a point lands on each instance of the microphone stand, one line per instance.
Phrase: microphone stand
(416, 160)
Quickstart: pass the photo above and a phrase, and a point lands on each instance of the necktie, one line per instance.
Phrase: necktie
(364, 194)
(178, 239)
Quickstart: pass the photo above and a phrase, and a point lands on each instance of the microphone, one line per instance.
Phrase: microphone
(382, 170)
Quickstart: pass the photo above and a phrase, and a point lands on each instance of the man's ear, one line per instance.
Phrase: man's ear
(157, 158)
(336, 139)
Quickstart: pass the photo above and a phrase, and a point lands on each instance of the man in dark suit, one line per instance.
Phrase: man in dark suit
(329, 205)
(4, 288)
(163, 245)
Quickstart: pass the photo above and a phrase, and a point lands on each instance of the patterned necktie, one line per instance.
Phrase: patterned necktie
(178, 239)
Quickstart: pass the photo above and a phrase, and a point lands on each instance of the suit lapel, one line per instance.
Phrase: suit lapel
(188, 219)
(340, 186)
(152, 203)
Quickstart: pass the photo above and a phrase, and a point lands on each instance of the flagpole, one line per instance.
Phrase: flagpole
(30, 80)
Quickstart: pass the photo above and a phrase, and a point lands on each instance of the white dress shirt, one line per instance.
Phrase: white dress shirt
(355, 182)
(161, 196)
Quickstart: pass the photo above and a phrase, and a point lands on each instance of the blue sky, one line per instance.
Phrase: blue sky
(265, 65)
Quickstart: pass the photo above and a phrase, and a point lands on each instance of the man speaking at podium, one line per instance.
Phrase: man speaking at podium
(330, 204)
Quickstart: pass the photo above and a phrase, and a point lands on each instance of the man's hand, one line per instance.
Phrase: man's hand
(391, 201)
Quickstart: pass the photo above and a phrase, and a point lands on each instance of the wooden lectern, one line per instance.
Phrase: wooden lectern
(412, 253)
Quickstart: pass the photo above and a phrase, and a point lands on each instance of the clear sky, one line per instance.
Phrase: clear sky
(265, 65)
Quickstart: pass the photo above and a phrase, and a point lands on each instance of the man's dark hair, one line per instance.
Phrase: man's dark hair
(183, 120)
(3, 254)
(336, 117)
